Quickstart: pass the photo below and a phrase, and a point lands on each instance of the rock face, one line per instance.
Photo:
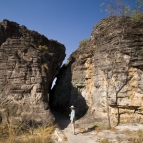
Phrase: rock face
(106, 69)
(119, 69)
(70, 83)
(29, 63)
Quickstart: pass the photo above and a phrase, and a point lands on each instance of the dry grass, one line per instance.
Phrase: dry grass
(127, 131)
(139, 133)
(113, 129)
(24, 132)
(82, 129)
(100, 129)
(132, 136)
(14, 134)
(104, 141)
(136, 136)
(135, 140)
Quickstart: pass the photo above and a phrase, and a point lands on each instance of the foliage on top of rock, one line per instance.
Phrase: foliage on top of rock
(42, 47)
(83, 43)
(123, 8)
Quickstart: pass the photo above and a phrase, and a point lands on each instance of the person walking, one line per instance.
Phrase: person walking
(72, 118)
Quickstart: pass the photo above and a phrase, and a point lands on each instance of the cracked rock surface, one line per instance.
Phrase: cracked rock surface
(29, 63)
(107, 68)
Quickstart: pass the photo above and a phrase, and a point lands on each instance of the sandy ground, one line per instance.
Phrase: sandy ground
(127, 133)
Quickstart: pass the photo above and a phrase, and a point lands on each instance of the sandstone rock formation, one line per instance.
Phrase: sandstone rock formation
(119, 69)
(29, 63)
(107, 69)
(70, 83)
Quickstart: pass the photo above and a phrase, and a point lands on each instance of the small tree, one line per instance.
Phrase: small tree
(139, 6)
(116, 7)
(138, 10)
(122, 8)
(112, 79)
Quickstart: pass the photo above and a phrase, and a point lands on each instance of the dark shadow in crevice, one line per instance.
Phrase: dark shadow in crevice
(60, 119)
(63, 95)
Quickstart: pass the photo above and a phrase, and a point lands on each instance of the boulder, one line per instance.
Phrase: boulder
(105, 69)
(29, 62)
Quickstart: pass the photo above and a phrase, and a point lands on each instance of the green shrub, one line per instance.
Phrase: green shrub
(83, 42)
(43, 47)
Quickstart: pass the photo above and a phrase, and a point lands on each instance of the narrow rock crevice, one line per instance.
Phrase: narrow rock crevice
(107, 68)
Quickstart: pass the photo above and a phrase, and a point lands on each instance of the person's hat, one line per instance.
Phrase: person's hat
(72, 106)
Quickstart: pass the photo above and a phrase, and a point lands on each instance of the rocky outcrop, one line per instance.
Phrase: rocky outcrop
(118, 69)
(29, 63)
(71, 80)
(106, 69)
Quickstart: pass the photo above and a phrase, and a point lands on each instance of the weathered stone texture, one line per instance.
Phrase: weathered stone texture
(27, 71)
(118, 69)
(70, 85)
(109, 64)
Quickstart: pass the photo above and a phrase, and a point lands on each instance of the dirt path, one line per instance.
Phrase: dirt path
(65, 133)
(126, 133)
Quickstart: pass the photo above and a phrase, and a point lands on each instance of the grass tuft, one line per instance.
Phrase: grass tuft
(14, 134)
(104, 141)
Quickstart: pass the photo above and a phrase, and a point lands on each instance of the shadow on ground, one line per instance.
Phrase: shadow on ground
(89, 130)
(61, 120)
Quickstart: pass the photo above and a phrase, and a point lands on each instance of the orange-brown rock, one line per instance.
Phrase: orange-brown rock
(109, 64)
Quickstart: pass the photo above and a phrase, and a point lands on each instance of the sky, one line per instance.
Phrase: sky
(67, 21)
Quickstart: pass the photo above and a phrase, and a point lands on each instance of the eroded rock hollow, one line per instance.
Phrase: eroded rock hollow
(29, 63)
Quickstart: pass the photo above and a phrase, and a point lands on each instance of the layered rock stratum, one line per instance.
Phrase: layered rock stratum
(29, 63)
(105, 70)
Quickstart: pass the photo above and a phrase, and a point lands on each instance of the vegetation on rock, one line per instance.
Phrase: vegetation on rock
(123, 8)
(43, 47)
(83, 43)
